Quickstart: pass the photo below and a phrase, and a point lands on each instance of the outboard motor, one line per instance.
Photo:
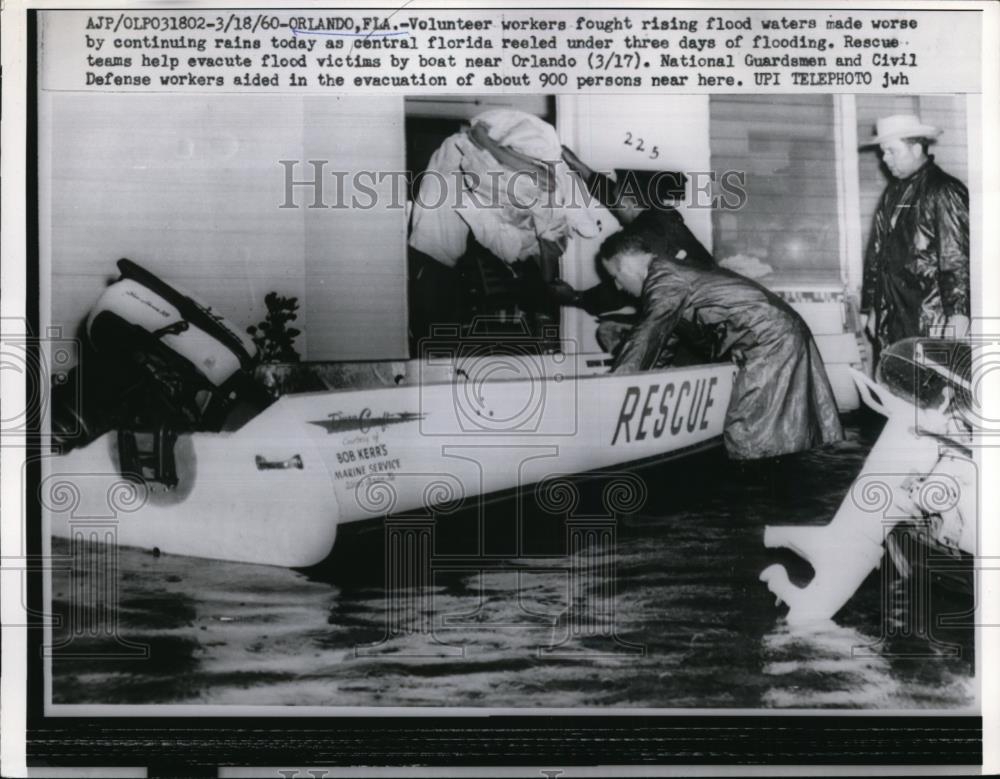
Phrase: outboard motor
(919, 470)
(931, 374)
(155, 362)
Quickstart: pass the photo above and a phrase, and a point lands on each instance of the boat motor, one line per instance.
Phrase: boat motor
(920, 470)
(155, 362)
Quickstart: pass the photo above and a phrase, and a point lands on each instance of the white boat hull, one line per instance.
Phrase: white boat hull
(274, 491)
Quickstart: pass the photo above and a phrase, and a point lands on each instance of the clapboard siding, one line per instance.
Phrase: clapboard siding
(950, 152)
(785, 147)
(722, 146)
(785, 100)
(191, 187)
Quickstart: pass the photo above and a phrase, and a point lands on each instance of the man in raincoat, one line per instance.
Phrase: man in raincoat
(916, 278)
(781, 400)
(635, 202)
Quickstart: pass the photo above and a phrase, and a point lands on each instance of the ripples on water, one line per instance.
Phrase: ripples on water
(684, 592)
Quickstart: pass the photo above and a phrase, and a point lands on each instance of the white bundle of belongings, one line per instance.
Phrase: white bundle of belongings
(919, 471)
(504, 180)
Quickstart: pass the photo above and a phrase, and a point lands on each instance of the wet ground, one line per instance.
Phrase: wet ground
(657, 606)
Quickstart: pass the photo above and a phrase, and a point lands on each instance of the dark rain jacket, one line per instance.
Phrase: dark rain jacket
(917, 263)
(782, 401)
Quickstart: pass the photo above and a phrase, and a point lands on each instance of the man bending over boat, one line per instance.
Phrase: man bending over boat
(781, 400)
(640, 206)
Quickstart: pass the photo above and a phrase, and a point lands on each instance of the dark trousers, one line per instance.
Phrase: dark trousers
(435, 296)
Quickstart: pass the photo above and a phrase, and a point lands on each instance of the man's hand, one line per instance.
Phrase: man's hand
(563, 293)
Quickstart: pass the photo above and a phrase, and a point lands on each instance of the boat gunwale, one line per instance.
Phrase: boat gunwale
(699, 368)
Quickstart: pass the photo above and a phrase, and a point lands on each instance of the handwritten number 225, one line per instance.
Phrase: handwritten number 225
(640, 146)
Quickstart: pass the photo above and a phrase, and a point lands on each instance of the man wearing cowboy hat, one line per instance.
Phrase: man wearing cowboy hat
(916, 277)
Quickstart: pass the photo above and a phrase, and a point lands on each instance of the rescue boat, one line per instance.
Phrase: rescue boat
(272, 486)
(275, 490)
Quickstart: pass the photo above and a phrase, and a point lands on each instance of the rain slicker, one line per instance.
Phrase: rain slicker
(917, 262)
(782, 401)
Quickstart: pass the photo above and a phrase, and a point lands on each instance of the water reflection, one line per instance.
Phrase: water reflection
(830, 665)
(670, 614)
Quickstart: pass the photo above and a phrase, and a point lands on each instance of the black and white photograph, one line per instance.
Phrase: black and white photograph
(386, 364)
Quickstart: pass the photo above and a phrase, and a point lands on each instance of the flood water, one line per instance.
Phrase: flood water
(659, 607)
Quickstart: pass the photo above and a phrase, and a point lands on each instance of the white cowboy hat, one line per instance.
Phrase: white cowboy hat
(901, 126)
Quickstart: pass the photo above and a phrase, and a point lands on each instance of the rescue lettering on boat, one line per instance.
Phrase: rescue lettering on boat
(667, 409)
